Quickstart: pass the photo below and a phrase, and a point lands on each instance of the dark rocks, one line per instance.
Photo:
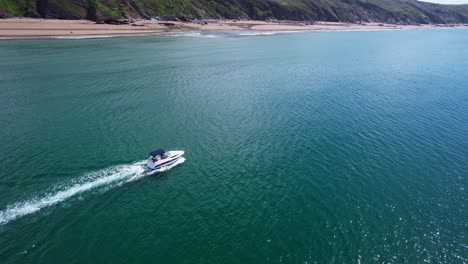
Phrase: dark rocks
(167, 24)
(4, 14)
(169, 18)
(183, 18)
(42, 7)
(116, 21)
(91, 12)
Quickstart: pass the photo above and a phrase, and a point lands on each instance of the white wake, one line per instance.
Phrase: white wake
(98, 179)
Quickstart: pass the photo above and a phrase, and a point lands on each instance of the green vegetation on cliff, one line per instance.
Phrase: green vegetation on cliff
(391, 11)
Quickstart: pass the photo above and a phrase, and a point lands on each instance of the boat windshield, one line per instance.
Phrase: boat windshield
(159, 157)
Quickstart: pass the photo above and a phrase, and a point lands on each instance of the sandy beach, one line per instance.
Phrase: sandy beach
(29, 27)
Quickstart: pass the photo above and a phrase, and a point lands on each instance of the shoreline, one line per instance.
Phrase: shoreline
(24, 28)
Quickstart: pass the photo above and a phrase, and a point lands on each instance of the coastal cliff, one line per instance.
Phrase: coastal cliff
(355, 11)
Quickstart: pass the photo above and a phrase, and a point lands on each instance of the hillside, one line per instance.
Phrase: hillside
(389, 11)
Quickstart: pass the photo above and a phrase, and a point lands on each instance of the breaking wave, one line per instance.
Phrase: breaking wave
(87, 36)
(109, 177)
(266, 33)
(189, 34)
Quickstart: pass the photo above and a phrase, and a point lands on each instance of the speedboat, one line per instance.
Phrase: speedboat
(160, 158)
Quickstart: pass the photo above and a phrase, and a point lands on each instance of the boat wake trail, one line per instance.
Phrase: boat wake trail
(109, 177)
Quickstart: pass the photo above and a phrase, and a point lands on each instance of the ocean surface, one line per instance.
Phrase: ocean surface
(301, 147)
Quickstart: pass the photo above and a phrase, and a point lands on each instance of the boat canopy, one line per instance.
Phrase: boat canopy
(157, 152)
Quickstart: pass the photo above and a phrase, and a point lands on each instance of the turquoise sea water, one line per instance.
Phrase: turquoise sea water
(313, 147)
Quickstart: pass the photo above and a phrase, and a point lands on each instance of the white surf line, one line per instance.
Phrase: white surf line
(84, 37)
(85, 183)
(267, 33)
(189, 34)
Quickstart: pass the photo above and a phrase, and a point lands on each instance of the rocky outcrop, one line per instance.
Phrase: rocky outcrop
(42, 7)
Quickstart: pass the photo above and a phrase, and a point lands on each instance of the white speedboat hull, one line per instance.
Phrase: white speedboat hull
(172, 157)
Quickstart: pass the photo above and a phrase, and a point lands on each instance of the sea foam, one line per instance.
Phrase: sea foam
(267, 33)
(194, 34)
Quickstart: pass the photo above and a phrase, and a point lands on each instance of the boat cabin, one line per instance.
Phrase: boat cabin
(158, 154)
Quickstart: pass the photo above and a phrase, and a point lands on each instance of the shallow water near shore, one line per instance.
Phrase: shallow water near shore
(301, 147)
